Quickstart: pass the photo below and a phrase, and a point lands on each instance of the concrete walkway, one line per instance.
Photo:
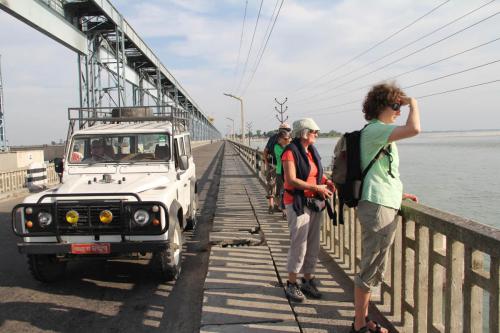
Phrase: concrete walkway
(247, 268)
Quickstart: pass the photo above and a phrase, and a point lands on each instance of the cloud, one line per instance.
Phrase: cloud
(198, 42)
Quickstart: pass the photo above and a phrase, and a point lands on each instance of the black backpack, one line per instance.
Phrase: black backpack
(346, 171)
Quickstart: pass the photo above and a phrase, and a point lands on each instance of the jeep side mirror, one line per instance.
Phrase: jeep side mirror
(58, 165)
(184, 162)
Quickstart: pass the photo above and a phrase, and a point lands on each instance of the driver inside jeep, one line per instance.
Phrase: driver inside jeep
(99, 152)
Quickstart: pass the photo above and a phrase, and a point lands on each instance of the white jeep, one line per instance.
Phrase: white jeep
(128, 188)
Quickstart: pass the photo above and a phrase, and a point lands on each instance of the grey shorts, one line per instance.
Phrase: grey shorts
(378, 228)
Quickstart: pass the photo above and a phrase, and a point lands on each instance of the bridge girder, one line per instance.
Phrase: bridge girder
(115, 66)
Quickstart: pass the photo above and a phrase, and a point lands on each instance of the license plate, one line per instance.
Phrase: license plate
(91, 248)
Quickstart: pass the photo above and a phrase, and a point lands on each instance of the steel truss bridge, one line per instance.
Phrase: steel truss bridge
(115, 66)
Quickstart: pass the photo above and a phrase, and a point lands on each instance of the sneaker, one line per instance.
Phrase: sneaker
(310, 288)
(293, 292)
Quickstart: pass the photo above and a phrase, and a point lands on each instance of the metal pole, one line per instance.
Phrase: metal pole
(242, 116)
(3, 137)
(232, 127)
(242, 122)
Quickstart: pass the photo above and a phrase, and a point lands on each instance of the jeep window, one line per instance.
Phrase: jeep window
(187, 143)
(176, 153)
(182, 151)
(90, 149)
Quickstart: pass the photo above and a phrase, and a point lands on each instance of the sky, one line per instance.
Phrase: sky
(322, 55)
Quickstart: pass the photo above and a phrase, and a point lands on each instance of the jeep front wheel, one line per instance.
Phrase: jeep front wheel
(192, 220)
(46, 268)
(169, 260)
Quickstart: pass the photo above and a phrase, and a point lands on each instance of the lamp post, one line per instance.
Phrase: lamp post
(232, 127)
(242, 116)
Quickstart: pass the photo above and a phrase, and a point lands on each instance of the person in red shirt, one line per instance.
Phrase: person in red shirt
(305, 190)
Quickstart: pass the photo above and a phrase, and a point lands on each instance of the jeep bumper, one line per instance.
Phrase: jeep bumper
(115, 248)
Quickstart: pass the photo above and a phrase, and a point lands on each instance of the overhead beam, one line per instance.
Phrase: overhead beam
(111, 12)
(44, 19)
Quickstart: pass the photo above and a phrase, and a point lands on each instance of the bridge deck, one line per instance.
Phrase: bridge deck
(243, 288)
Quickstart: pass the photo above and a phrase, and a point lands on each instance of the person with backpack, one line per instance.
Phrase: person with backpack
(283, 140)
(382, 190)
(270, 166)
(306, 189)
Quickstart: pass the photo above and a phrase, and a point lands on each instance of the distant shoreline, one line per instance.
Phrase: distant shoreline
(464, 131)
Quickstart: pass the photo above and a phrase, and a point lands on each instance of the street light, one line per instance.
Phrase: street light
(242, 116)
(233, 125)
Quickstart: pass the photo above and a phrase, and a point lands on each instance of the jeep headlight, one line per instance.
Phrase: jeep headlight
(44, 219)
(141, 217)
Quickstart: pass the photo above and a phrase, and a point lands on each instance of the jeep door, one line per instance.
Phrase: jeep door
(183, 189)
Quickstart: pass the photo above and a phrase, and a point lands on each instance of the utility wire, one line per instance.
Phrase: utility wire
(250, 48)
(241, 40)
(411, 71)
(264, 45)
(267, 30)
(412, 53)
(371, 48)
(429, 95)
(458, 89)
(452, 74)
(400, 48)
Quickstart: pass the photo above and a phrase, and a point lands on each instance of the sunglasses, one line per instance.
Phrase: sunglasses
(313, 131)
(395, 106)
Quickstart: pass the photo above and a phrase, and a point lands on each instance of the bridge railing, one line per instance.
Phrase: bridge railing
(15, 180)
(443, 270)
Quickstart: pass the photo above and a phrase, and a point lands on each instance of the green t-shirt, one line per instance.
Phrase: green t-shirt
(379, 187)
(278, 151)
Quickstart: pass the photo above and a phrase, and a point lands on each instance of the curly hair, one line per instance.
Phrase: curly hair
(379, 97)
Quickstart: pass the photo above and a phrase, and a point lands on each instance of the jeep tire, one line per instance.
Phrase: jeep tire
(46, 267)
(168, 261)
(192, 220)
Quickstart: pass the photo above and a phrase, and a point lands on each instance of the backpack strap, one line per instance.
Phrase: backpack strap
(372, 162)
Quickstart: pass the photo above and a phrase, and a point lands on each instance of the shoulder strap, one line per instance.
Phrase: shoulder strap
(372, 162)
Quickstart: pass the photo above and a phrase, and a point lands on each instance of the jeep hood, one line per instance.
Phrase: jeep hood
(133, 183)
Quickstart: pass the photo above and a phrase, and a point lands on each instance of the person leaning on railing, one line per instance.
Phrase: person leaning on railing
(382, 191)
(270, 163)
(305, 191)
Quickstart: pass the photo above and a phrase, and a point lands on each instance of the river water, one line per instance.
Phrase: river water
(457, 172)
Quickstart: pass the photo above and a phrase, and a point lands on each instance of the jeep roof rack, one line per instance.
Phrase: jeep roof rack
(88, 117)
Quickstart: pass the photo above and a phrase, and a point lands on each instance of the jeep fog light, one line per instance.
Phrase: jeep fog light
(106, 216)
(155, 209)
(28, 210)
(72, 217)
(44, 219)
(141, 217)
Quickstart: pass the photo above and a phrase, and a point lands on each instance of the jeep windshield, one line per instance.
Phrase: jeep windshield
(122, 148)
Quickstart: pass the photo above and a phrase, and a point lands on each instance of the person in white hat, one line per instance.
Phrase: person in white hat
(306, 189)
(270, 166)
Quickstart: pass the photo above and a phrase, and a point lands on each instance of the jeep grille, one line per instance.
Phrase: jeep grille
(88, 221)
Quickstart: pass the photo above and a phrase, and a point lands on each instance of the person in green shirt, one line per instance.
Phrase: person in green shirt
(283, 140)
(382, 191)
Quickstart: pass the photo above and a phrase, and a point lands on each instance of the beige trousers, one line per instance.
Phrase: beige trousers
(304, 240)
